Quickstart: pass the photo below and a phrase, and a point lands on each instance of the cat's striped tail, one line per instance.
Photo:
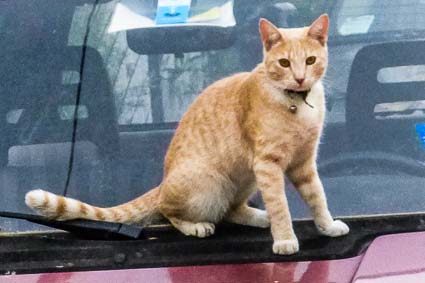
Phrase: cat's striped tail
(62, 208)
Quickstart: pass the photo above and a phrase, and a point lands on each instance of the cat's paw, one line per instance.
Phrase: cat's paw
(336, 229)
(286, 247)
(200, 230)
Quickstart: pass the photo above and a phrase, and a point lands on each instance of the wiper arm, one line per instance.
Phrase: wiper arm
(87, 228)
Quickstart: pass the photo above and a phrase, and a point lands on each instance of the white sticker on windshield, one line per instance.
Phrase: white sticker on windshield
(172, 11)
(133, 14)
(356, 25)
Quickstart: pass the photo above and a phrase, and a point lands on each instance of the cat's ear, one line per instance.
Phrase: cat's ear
(319, 29)
(270, 35)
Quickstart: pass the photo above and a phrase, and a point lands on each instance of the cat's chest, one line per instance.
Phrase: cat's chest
(287, 129)
(300, 127)
(299, 116)
(305, 115)
(308, 111)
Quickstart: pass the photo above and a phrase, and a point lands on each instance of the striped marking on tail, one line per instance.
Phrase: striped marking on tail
(58, 207)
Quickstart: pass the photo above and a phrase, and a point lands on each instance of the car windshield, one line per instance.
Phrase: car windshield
(91, 93)
(360, 17)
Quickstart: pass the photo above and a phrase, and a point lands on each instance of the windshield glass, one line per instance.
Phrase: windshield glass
(360, 17)
(57, 55)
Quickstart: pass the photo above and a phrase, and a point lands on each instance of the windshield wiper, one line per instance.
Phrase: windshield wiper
(86, 228)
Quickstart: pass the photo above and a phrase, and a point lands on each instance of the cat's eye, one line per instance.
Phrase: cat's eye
(310, 60)
(284, 62)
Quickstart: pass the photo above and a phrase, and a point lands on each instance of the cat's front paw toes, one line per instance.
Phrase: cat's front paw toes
(286, 247)
(200, 230)
(336, 229)
(203, 229)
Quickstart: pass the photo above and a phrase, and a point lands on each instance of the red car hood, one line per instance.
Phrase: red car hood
(396, 258)
(393, 258)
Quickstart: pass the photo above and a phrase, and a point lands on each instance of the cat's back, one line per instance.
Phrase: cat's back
(210, 126)
(225, 88)
(216, 102)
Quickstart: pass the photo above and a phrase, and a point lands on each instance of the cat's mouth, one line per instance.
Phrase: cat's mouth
(300, 93)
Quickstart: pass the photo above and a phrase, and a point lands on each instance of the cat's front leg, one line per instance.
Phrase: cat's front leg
(306, 179)
(269, 177)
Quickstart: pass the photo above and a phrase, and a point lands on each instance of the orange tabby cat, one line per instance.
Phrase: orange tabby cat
(242, 133)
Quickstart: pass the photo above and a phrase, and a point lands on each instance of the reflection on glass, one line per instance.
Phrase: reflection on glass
(400, 74)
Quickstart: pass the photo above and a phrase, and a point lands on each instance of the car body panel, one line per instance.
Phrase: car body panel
(287, 272)
(389, 258)
(394, 258)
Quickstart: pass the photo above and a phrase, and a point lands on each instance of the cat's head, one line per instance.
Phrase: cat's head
(295, 58)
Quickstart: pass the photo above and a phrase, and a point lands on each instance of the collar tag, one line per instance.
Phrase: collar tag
(293, 108)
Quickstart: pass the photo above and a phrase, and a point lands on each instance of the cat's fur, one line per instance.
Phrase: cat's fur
(238, 136)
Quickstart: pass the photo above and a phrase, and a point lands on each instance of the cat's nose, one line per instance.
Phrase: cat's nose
(300, 80)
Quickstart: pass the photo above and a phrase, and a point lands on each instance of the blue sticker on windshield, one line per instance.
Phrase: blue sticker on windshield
(420, 129)
(172, 12)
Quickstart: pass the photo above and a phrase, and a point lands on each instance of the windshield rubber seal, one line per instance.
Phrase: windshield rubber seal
(163, 246)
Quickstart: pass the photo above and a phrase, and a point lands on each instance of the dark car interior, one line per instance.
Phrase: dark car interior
(364, 92)
(82, 152)
(390, 143)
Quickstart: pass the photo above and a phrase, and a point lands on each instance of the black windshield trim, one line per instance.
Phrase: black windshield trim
(164, 246)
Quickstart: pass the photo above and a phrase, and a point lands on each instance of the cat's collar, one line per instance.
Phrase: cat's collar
(294, 93)
(302, 93)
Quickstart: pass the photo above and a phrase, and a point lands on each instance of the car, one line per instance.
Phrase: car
(92, 91)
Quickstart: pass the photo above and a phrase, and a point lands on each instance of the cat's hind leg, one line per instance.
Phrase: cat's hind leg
(193, 201)
(200, 229)
(250, 216)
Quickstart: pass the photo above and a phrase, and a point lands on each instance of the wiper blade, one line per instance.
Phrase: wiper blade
(86, 228)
